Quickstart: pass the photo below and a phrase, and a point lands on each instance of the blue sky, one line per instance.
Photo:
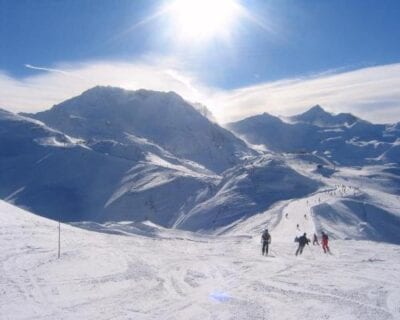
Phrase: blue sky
(285, 39)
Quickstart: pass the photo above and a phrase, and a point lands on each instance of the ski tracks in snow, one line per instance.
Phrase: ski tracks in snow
(187, 276)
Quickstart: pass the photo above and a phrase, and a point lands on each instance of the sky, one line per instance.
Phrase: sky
(238, 57)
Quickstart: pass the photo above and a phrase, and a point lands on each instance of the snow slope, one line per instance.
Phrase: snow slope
(153, 273)
(351, 204)
(246, 190)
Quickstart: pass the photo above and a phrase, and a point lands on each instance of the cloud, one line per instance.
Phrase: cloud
(29, 66)
(371, 93)
(54, 85)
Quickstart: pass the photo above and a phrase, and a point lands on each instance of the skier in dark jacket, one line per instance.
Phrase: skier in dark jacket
(315, 241)
(266, 240)
(303, 241)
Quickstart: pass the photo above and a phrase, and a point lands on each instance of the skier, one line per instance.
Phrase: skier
(325, 243)
(315, 240)
(298, 227)
(266, 240)
(287, 215)
(303, 241)
(305, 216)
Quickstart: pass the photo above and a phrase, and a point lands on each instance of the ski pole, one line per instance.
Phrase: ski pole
(312, 253)
(274, 253)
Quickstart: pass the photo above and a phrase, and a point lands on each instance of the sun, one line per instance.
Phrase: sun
(203, 19)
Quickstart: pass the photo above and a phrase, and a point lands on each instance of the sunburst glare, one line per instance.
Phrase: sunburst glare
(203, 19)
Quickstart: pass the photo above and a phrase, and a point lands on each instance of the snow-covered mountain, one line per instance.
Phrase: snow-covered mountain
(319, 117)
(126, 158)
(107, 113)
(343, 138)
(61, 177)
(116, 155)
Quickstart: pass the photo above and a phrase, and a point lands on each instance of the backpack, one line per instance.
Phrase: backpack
(296, 239)
(266, 236)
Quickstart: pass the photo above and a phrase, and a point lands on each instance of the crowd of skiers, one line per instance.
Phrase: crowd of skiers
(301, 240)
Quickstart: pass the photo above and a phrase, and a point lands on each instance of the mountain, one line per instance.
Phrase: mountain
(319, 117)
(58, 176)
(51, 173)
(116, 155)
(107, 113)
(277, 135)
(343, 139)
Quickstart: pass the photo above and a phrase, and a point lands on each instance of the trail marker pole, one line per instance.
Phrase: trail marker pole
(59, 239)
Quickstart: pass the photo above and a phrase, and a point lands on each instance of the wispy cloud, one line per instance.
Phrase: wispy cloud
(29, 66)
(371, 93)
(63, 72)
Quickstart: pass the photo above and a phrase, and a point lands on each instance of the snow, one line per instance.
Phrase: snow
(107, 171)
(163, 118)
(350, 141)
(126, 177)
(58, 176)
(139, 171)
(155, 273)
(319, 117)
(246, 190)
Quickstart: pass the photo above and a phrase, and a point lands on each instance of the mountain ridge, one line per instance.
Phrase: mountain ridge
(163, 118)
(316, 115)
(343, 138)
(114, 154)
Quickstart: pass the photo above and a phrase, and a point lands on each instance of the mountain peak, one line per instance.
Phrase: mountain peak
(316, 110)
(319, 117)
(112, 89)
(102, 90)
(164, 118)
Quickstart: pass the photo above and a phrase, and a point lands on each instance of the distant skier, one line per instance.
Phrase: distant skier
(266, 240)
(305, 216)
(315, 240)
(303, 241)
(298, 227)
(287, 215)
(325, 243)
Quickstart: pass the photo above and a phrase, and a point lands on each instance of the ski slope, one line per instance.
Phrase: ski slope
(141, 271)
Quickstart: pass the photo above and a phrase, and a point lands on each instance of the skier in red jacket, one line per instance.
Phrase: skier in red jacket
(325, 243)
